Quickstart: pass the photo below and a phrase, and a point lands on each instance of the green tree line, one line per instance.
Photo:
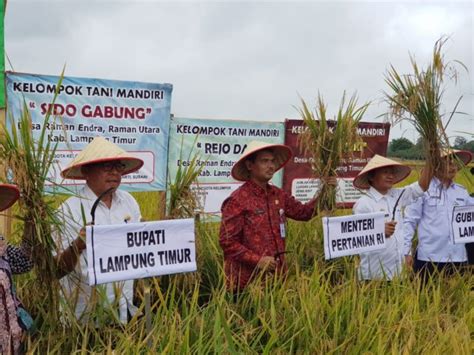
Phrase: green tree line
(405, 149)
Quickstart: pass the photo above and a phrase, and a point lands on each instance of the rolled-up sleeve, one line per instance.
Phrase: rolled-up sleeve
(410, 222)
(69, 230)
(299, 211)
(231, 233)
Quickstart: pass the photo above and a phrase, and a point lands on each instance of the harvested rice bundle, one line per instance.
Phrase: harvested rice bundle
(330, 142)
(417, 98)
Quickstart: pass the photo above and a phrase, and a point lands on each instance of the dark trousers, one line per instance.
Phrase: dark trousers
(427, 269)
(470, 253)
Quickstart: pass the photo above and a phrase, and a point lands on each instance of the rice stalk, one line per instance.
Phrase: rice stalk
(183, 198)
(417, 98)
(29, 161)
(330, 142)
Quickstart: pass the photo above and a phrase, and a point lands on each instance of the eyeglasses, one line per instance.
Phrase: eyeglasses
(109, 166)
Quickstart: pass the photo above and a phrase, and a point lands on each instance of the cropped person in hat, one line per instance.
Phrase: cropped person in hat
(252, 233)
(101, 164)
(470, 246)
(13, 260)
(378, 178)
(431, 216)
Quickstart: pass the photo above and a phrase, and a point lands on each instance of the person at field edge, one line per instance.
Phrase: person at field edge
(252, 232)
(378, 178)
(101, 164)
(470, 246)
(431, 216)
(14, 320)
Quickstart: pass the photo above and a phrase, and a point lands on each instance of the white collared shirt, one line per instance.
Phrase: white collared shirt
(386, 263)
(432, 214)
(76, 289)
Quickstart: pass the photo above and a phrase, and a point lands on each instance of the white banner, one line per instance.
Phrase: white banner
(463, 224)
(354, 234)
(138, 250)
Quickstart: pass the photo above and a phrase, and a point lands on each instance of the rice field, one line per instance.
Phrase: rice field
(320, 307)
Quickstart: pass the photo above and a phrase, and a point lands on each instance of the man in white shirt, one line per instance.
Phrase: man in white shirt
(378, 178)
(101, 164)
(431, 215)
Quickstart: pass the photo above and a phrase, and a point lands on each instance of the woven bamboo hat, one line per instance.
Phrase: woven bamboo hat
(282, 155)
(401, 171)
(463, 155)
(8, 195)
(100, 150)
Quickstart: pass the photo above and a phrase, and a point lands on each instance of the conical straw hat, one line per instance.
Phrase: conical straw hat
(401, 171)
(282, 155)
(8, 195)
(100, 150)
(463, 155)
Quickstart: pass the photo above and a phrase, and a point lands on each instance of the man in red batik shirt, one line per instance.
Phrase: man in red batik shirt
(252, 233)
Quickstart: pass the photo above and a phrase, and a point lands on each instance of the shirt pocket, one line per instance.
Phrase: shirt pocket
(398, 214)
(255, 217)
(433, 202)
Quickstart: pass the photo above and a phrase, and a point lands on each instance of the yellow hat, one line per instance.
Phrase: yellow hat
(8, 195)
(463, 155)
(401, 171)
(100, 150)
(281, 152)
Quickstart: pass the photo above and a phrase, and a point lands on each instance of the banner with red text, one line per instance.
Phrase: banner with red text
(133, 115)
(298, 178)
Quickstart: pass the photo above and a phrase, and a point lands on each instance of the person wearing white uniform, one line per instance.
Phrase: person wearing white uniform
(378, 178)
(101, 164)
(431, 215)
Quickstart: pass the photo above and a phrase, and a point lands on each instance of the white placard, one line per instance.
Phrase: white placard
(305, 189)
(463, 224)
(354, 234)
(213, 195)
(138, 250)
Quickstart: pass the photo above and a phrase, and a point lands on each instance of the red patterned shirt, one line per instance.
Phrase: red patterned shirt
(250, 229)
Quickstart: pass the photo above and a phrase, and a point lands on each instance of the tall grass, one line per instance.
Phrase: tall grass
(318, 308)
(28, 161)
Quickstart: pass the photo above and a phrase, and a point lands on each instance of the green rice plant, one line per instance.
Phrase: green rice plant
(29, 162)
(330, 142)
(417, 98)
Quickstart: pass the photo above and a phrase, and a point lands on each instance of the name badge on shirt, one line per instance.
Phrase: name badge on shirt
(459, 202)
(282, 224)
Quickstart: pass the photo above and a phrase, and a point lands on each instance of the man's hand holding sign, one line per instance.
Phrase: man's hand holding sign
(138, 250)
